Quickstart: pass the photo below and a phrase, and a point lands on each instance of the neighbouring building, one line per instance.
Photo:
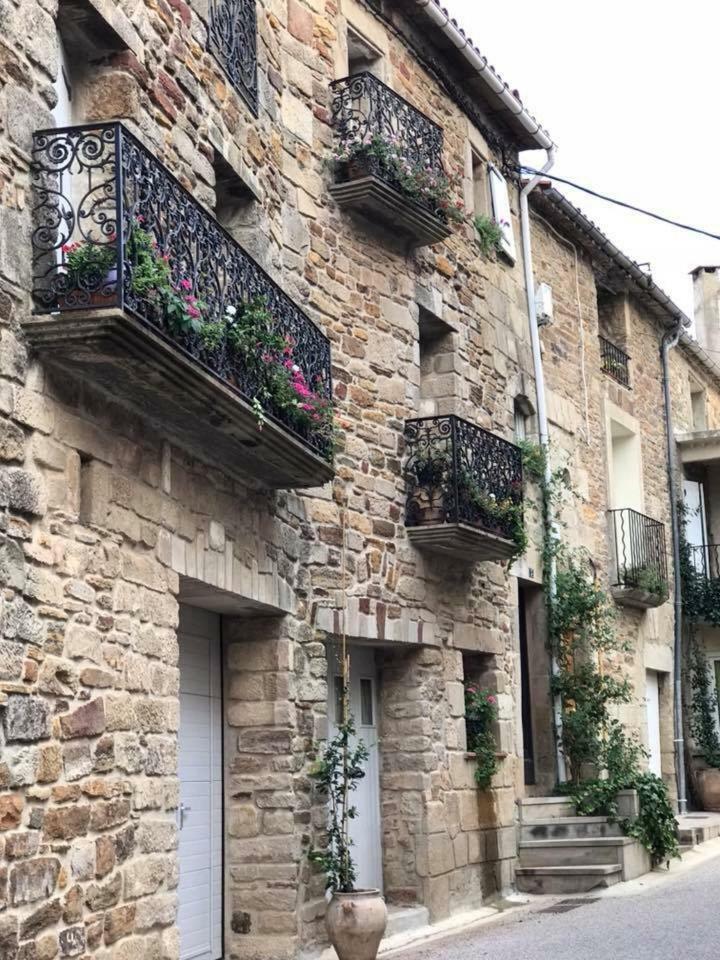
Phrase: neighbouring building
(176, 574)
(695, 384)
(604, 387)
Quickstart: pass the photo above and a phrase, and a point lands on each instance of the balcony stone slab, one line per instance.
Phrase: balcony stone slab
(461, 541)
(378, 201)
(151, 375)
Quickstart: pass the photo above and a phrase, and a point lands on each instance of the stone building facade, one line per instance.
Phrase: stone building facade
(604, 387)
(176, 580)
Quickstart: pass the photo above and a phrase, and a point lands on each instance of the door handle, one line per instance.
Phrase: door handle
(184, 808)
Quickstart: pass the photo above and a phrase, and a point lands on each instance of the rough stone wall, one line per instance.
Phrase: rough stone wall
(103, 521)
(446, 844)
(581, 403)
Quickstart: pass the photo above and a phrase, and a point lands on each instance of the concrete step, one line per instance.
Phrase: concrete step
(561, 880)
(544, 808)
(569, 828)
(406, 919)
(591, 851)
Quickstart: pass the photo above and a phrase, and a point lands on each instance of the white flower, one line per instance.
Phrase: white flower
(230, 310)
(295, 368)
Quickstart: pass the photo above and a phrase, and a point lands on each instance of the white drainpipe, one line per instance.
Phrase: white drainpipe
(543, 430)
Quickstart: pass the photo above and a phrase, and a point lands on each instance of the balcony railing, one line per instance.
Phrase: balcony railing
(115, 231)
(390, 161)
(641, 572)
(464, 489)
(615, 362)
(704, 560)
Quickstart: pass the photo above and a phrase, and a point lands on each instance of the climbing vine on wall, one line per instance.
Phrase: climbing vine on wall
(601, 757)
(701, 603)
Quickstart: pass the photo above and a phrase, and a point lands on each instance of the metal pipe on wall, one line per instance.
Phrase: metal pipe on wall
(670, 340)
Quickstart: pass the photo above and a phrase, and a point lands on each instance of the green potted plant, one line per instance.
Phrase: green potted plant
(355, 919)
(358, 157)
(91, 268)
(428, 474)
(704, 727)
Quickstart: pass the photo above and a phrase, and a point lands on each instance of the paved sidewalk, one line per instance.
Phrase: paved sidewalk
(661, 916)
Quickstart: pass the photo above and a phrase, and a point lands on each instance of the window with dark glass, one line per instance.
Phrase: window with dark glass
(232, 38)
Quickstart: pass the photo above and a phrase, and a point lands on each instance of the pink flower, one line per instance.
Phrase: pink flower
(491, 700)
(185, 285)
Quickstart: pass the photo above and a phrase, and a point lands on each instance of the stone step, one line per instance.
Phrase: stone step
(544, 808)
(561, 880)
(591, 851)
(569, 828)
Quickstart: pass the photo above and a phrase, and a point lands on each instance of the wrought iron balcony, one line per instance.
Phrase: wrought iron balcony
(614, 362)
(389, 160)
(138, 288)
(640, 559)
(464, 489)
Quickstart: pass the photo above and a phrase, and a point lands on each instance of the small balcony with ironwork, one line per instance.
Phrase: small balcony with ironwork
(640, 569)
(614, 362)
(138, 290)
(388, 161)
(464, 490)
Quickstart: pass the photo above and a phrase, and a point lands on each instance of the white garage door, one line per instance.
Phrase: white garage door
(200, 763)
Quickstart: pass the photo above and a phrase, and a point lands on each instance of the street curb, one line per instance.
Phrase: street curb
(466, 922)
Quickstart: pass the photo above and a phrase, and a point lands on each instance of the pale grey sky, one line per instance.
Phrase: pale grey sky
(628, 89)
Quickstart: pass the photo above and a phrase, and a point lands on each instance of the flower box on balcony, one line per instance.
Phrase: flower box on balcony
(464, 490)
(640, 560)
(139, 291)
(388, 162)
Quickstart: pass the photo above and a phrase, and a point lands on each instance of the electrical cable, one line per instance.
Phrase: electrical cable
(621, 203)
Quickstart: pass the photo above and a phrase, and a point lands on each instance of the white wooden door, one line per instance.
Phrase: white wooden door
(696, 524)
(652, 706)
(200, 767)
(365, 829)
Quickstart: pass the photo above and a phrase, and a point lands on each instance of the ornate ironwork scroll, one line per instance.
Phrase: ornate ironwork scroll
(98, 189)
(232, 37)
(364, 106)
(456, 472)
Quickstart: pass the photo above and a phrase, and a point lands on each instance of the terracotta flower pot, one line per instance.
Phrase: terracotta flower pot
(356, 923)
(708, 783)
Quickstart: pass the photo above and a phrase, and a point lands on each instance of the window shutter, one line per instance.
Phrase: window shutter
(501, 210)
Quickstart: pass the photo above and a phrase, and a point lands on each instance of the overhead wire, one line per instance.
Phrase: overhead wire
(621, 203)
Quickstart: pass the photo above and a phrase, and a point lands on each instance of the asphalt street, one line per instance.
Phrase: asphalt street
(674, 920)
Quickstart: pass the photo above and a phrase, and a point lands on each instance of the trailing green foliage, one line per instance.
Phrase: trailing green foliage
(336, 774)
(480, 713)
(489, 235)
(645, 577)
(704, 706)
(601, 758)
(700, 592)
(416, 180)
(655, 826)
(250, 333)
